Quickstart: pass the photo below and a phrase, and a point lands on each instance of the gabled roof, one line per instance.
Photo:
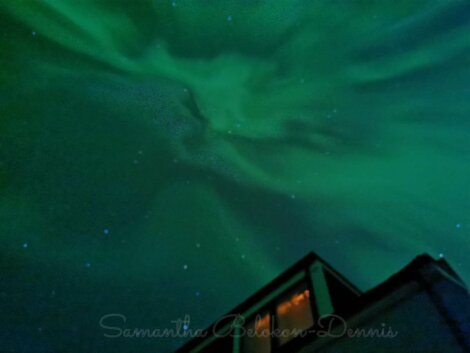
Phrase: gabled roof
(300, 266)
(423, 270)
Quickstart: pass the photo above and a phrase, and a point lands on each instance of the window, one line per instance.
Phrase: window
(257, 338)
(294, 313)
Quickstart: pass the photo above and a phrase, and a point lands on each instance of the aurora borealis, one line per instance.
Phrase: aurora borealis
(161, 159)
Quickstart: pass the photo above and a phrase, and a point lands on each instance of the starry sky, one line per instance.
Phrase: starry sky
(161, 159)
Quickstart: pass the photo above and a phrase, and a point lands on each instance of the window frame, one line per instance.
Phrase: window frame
(312, 275)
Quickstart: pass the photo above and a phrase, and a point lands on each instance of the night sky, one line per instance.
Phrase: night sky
(161, 159)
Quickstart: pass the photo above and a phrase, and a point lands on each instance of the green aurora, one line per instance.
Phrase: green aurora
(163, 159)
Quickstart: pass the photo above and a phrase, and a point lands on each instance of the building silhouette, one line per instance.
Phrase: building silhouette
(425, 307)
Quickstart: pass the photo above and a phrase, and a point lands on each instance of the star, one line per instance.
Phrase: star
(25, 245)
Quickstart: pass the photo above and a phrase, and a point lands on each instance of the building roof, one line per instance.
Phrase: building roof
(423, 270)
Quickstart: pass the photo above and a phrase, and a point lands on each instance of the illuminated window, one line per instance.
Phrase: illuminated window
(294, 314)
(257, 336)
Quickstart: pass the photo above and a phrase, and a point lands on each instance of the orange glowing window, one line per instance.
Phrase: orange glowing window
(294, 314)
(257, 337)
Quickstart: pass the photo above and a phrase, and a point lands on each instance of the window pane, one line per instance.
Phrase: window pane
(257, 337)
(294, 313)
